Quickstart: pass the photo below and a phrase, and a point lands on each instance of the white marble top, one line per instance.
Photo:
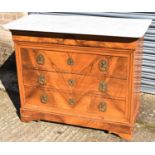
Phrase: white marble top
(103, 26)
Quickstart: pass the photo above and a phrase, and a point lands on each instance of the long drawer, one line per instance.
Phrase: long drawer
(78, 63)
(110, 87)
(75, 104)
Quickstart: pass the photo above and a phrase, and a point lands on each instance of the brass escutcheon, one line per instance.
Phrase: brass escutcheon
(44, 99)
(102, 106)
(40, 59)
(102, 86)
(41, 80)
(71, 101)
(103, 65)
(70, 61)
(71, 82)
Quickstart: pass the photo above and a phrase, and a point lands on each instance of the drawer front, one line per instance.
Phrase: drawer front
(86, 105)
(85, 64)
(111, 87)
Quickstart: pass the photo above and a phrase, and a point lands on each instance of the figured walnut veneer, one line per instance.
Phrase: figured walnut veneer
(82, 80)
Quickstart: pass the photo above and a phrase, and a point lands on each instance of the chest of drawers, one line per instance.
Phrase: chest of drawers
(84, 80)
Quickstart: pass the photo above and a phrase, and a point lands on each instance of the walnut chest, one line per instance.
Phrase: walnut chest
(87, 77)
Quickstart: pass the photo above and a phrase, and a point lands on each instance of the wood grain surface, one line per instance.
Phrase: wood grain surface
(81, 80)
(83, 63)
(115, 88)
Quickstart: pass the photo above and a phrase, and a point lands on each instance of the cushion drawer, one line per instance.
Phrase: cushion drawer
(86, 105)
(111, 87)
(79, 63)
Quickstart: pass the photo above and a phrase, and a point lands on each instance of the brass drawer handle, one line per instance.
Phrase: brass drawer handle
(71, 82)
(40, 59)
(41, 80)
(102, 106)
(103, 65)
(102, 86)
(70, 61)
(71, 101)
(44, 98)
